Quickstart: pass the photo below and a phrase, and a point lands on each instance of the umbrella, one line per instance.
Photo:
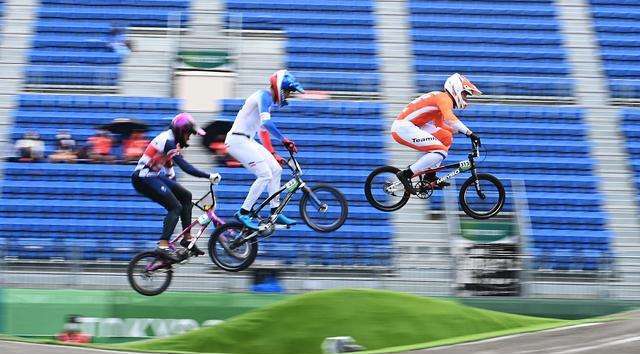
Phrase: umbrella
(125, 126)
(215, 132)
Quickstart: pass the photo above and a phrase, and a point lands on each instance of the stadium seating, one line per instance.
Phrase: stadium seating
(631, 127)
(71, 41)
(88, 209)
(331, 44)
(617, 26)
(505, 47)
(340, 143)
(92, 210)
(546, 147)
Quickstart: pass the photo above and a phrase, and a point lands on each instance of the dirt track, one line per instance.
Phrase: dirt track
(617, 337)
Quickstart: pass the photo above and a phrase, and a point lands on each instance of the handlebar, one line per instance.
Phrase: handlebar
(476, 150)
(296, 166)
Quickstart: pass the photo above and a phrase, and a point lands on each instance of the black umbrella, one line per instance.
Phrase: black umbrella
(215, 132)
(125, 126)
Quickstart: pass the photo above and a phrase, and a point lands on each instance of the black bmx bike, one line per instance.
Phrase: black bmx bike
(233, 247)
(481, 196)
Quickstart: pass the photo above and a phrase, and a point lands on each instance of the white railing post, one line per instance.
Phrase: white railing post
(523, 221)
(453, 231)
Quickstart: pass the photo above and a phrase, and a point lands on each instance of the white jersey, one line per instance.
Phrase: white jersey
(255, 111)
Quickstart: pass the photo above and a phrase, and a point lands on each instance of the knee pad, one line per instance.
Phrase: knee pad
(442, 153)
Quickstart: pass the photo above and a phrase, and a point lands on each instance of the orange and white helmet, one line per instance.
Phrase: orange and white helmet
(456, 84)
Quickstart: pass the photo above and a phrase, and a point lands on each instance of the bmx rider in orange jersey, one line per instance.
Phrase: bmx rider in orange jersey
(428, 123)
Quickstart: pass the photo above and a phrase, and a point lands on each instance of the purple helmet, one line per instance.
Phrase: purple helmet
(184, 124)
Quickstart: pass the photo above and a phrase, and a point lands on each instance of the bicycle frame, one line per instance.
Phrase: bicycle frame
(293, 185)
(209, 211)
(461, 166)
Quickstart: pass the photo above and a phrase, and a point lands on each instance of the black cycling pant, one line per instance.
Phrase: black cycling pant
(171, 195)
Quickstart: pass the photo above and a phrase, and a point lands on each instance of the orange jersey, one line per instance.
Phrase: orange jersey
(435, 106)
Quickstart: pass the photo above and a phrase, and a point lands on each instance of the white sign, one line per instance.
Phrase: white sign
(139, 327)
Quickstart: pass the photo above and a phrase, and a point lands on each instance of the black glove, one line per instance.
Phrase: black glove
(475, 139)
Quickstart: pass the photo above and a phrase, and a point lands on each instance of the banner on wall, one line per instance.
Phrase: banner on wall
(204, 59)
(108, 314)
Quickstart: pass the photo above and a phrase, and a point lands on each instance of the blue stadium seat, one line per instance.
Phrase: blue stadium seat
(331, 44)
(569, 227)
(617, 26)
(513, 49)
(71, 41)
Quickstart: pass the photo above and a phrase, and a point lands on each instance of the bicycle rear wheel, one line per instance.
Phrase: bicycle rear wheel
(229, 251)
(384, 191)
(149, 274)
(326, 210)
(485, 203)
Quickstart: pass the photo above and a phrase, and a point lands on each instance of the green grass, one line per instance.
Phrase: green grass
(375, 319)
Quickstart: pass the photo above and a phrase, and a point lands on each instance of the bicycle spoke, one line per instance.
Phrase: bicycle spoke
(150, 274)
(484, 199)
(387, 189)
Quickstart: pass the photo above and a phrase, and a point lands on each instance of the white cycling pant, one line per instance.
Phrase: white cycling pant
(257, 159)
(432, 140)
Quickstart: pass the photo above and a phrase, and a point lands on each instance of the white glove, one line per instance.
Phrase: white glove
(215, 178)
(170, 173)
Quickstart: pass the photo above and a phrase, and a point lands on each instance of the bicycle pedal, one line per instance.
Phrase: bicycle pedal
(282, 227)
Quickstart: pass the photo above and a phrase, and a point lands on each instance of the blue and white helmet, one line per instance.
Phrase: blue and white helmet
(282, 81)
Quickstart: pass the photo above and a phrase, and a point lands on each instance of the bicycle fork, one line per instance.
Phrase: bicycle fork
(322, 207)
(476, 183)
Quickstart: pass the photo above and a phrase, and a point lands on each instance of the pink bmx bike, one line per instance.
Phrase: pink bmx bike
(149, 273)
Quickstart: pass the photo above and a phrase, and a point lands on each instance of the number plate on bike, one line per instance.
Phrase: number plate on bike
(291, 185)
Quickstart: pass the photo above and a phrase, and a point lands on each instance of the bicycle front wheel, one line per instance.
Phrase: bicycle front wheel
(483, 202)
(149, 274)
(229, 250)
(324, 208)
(384, 191)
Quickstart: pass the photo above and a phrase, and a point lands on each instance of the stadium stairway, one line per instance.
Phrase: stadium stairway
(592, 91)
(259, 57)
(415, 233)
(205, 28)
(17, 20)
(148, 70)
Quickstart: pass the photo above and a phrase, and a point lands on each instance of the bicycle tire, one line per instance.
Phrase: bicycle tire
(369, 193)
(497, 207)
(131, 276)
(344, 208)
(252, 251)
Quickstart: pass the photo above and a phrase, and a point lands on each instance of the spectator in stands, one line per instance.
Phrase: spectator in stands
(100, 147)
(30, 148)
(263, 161)
(65, 151)
(71, 332)
(133, 147)
(427, 124)
(154, 177)
(119, 43)
(221, 154)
